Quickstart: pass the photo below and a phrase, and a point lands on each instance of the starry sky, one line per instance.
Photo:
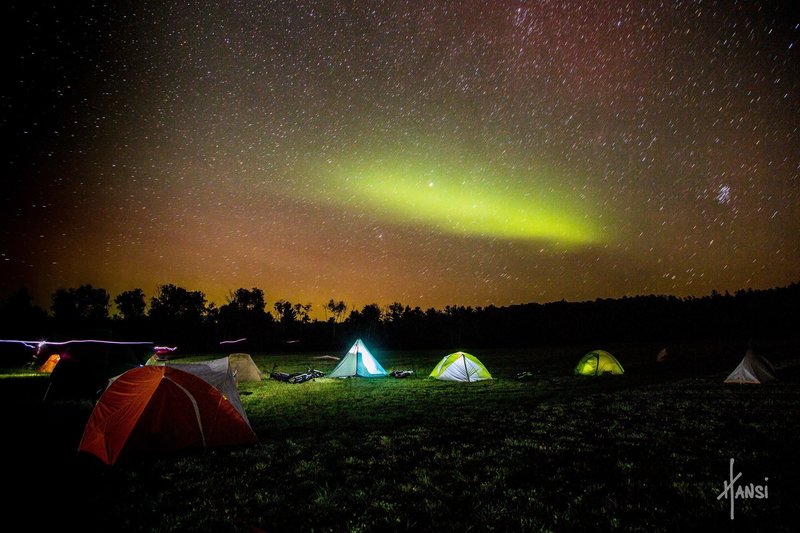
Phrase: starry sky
(431, 153)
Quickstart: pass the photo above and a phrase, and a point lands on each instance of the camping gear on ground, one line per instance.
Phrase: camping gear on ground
(297, 377)
(524, 376)
(158, 409)
(244, 369)
(358, 361)
(460, 366)
(280, 376)
(305, 376)
(598, 362)
(753, 369)
(401, 373)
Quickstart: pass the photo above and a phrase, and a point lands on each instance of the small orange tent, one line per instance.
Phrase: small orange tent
(50, 364)
(154, 409)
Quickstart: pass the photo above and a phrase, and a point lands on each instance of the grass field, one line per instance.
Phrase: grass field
(647, 451)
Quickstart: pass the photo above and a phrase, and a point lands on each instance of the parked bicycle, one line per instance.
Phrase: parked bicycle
(297, 377)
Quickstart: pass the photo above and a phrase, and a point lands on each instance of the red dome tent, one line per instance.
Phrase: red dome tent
(155, 409)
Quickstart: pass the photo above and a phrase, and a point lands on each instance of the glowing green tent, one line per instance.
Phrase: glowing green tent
(358, 362)
(460, 366)
(598, 362)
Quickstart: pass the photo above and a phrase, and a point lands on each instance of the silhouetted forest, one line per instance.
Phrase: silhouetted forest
(179, 317)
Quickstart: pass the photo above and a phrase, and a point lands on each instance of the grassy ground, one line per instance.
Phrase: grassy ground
(646, 451)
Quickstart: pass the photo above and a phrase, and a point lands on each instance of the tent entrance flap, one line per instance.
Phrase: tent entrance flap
(358, 361)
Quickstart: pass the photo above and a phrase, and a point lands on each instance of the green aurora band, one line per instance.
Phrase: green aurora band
(469, 200)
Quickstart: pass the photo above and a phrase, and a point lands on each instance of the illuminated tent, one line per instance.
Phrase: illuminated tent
(50, 364)
(244, 369)
(158, 409)
(460, 366)
(753, 369)
(598, 362)
(358, 361)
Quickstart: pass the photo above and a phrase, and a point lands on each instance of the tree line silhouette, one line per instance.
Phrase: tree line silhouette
(179, 317)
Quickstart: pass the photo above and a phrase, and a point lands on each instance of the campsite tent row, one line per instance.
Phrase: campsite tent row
(459, 366)
(168, 407)
(462, 366)
(159, 407)
(753, 368)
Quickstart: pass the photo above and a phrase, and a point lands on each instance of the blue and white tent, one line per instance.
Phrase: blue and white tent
(358, 362)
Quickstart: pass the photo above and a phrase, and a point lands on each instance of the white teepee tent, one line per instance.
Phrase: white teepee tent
(753, 369)
(358, 362)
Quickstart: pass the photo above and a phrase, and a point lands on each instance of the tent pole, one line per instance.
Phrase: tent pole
(464, 358)
(44, 399)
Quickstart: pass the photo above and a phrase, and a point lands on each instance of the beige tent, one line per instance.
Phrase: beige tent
(244, 369)
(752, 369)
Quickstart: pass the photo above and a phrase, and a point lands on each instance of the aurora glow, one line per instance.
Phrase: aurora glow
(428, 153)
(475, 200)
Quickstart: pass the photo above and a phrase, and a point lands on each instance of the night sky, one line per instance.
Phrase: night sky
(431, 153)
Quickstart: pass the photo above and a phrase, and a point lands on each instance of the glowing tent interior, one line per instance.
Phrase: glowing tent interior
(598, 362)
(358, 361)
